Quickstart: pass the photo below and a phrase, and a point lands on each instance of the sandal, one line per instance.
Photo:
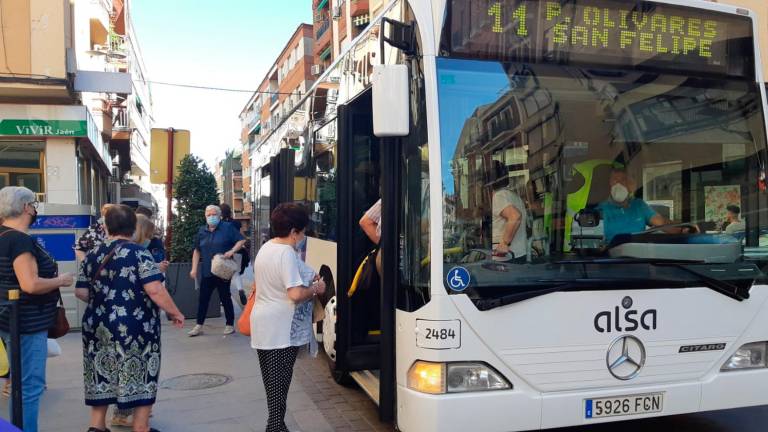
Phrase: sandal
(119, 420)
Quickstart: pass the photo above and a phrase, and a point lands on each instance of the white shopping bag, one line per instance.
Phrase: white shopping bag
(54, 349)
(246, 279)
(234, 286)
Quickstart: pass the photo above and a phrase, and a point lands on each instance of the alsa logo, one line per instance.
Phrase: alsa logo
(631, 320)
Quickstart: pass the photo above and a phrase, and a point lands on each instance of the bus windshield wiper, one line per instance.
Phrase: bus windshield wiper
(549, 286)
(491, 303)
(726, 288)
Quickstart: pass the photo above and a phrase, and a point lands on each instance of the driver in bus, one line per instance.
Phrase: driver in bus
(623, 213)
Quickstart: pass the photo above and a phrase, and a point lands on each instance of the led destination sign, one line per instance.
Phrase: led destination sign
(630, 31)
(605, 32)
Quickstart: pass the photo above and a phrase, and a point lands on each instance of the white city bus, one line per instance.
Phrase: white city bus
(614, 303)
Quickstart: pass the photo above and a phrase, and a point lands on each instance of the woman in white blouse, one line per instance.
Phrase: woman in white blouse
(281, 293)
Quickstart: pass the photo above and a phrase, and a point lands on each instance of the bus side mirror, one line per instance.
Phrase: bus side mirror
(391, 101)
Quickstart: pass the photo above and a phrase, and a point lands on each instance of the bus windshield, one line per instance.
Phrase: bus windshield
(559, 176)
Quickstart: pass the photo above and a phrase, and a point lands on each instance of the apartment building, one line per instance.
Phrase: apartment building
(277, 95)
(132, 116)
(335, 24)
(66, 70)
(229, 181)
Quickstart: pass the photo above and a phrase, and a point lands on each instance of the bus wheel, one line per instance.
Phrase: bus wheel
(342, 378)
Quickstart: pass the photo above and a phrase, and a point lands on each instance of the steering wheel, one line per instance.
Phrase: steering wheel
(692, 228)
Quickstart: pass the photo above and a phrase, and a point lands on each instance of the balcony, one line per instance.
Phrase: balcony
(37, 54)
(118, 52)
(322, 27)
(133, 195)
(122, 120)
(121, 123)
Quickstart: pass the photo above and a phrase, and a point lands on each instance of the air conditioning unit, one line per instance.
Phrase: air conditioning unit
(336, 12)
(316, 69)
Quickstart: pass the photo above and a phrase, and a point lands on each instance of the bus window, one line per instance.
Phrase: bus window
(414, 219)
(636, 159)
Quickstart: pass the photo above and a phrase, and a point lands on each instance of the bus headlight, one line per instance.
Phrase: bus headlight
(460, 377)
(748, 356)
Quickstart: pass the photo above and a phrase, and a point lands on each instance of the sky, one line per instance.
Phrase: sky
(464, 86)
(215, 43)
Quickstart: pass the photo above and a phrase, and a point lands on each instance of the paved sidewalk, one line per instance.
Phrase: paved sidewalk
(315, 403)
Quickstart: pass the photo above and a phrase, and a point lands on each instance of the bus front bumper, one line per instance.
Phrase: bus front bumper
(518, 410)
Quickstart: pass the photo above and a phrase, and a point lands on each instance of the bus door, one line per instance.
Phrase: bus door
(370, 169)
(282, 169)
(274, 186)
(358, 327)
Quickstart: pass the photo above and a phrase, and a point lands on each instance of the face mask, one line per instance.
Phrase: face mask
(213, 220)
(101, 220)
(145, 244)
(34, 218)
(619, 193)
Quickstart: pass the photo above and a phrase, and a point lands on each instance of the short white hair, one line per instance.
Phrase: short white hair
(216, 208)
(13, 199)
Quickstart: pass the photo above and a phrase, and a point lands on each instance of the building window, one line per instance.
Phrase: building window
(20, 166)
(86, 181)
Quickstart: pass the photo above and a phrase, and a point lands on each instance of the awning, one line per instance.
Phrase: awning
(326, 53)
(322, 4)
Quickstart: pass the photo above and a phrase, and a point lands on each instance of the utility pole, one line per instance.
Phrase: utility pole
(169, 192)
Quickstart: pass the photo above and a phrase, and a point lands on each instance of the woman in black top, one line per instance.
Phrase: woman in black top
(25, 264)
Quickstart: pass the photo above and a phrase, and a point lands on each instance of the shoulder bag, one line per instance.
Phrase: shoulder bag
(60, 325)
(244, 322)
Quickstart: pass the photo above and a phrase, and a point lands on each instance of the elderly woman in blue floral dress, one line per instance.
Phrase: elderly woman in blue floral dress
(121, 326)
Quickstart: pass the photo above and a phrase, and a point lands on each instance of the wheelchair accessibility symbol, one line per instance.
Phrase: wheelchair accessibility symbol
(458, 279)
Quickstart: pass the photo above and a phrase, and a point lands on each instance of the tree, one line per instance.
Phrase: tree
(194, 189)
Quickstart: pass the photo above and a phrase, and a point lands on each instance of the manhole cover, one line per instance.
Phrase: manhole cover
(195, 381)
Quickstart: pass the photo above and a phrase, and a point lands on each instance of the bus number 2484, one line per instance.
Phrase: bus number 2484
(440, 334)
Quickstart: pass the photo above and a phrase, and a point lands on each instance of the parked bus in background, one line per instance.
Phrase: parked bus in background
(611, 136)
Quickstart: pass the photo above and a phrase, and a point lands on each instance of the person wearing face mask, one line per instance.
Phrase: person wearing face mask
(281, 292)
(155, 246)
(145, 237)
(212, 239)
(622, 213)
(25, 264)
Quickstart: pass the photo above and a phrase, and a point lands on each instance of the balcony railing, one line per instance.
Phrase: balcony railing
(121, 119)
(118, 52)
(322, 27)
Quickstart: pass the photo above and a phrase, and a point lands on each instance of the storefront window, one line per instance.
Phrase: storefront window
(21, 165)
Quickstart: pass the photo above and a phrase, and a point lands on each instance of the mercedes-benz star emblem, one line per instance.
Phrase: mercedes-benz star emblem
(625, 357)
